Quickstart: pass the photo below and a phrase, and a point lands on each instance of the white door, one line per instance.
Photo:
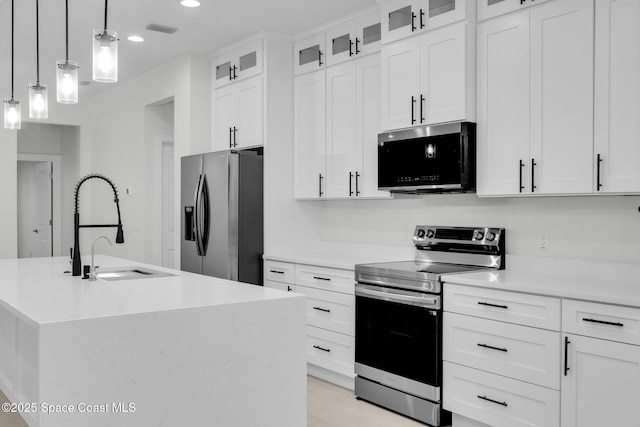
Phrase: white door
(368, 120)
(602, 385)
(248, 127)
(341, 42)
(617, 96)
(562, 96)
(342, 142)
(503, 105)
(43, 197)
(225, 110)
(368, 34)
(309, 130)
(401, 84)
(168, 205)
(400, 18)
(443, 75)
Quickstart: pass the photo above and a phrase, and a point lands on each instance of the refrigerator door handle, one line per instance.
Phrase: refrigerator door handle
(197, 213)
(203, 227)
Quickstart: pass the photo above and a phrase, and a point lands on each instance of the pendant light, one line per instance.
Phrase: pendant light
(67, 71)
(38, 102)
(105, 53)
(12, 116)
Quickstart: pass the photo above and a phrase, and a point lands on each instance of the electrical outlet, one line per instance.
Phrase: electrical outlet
(544, 242)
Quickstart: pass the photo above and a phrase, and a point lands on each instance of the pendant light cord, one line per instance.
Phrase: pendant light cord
(12, 49)
(37, 45)
(106, 2)
(66, 16)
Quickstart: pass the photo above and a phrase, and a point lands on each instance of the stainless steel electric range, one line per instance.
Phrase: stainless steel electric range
(399, 318)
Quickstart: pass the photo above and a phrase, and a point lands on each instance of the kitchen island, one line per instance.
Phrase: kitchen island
(181, 350)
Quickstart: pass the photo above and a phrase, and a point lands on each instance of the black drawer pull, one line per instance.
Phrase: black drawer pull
(322, 348)
(566, 355)
(276, 271)
(289, 288)
(492, 347)
(492, 401)
(322, 278)
(326, 310)
(604, 322)
(492, 305)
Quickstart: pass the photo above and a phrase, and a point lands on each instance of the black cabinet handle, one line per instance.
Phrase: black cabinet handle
(492, 347)
(357, 45)
(492, 401)
(235, 74)
(230, 137)
(230, 73)
(421, 18)
(413, 103)
(322, 348)
(566, 355)
(357, 190)
(289, 288)
(413, 22)
(326, 310)
(320, 58)
(322, 278)
(235, 136)
(604, 322)
(320, 184)
(276, 271)
(350, 47)
(422, 99)
(350, 190)
(599, 160)
(522, 1)
(521, 166)
(533, 172)
(492, 305)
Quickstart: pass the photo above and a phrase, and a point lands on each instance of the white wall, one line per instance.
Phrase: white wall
(121, 148)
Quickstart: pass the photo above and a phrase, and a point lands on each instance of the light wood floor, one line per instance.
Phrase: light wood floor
(327, 406)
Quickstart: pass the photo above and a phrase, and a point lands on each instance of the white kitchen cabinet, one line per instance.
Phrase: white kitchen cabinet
(242, 62)
(238, 112)
(617, 97)
(403, 18)
(429, 79)
(309, 127)
(491, 8)
(279, 275)
(353, 120)
(535, 98)
(353, 38)
(602, 384)
(309, 54)
(279, 285)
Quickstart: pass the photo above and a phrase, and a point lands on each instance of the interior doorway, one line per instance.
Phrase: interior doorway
(39, 194)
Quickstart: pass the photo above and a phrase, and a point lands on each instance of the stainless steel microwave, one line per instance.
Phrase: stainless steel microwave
(428, 159)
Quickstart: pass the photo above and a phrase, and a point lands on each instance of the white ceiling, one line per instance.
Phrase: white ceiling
(213, 25)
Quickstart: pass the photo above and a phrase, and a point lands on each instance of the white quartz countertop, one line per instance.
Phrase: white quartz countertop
(38, 291)
(621, 292)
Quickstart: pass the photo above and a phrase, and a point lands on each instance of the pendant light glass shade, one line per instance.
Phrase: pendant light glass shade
(67, 82)
(38, 102)
(12, 114)
(105, 56)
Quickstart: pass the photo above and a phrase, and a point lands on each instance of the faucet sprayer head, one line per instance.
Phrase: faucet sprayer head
(119, 234)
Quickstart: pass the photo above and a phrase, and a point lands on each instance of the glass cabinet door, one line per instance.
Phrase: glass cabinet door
(368, 34)
(437, 13)
(399, 19)
(341, 42)
(309, 54)
(248, 60)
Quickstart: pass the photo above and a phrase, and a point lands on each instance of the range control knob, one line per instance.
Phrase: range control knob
(420, 233)
(479, 235)
(430, 234)
(490, 236)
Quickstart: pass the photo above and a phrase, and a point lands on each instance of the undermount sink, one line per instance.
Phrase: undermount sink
(129, 273)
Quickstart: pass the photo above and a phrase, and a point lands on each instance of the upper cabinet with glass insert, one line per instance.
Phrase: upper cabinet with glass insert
(403, 18)
(309, 54)
(353, 38)
(237, 64)
(490, 8)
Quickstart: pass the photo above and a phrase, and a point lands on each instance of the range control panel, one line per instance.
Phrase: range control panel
(426, 235)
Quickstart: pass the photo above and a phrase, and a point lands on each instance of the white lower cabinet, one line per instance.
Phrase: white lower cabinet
(331, 350)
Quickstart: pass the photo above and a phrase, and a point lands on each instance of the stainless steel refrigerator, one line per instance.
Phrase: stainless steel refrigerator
(222, 215)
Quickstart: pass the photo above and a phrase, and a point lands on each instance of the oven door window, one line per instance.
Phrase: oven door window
(422, 161)
(399, 338)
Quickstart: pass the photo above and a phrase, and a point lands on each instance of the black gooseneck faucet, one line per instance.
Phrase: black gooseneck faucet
(77, 263)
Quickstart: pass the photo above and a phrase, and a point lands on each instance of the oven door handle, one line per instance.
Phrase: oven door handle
(397, 296)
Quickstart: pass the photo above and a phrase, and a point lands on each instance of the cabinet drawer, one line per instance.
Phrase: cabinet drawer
(330, 350)
(279, 271)
(609, 322)
(512, 307)
(326, 278)
(287, 287)
(330, 310)
(497, 400)
(519, 352)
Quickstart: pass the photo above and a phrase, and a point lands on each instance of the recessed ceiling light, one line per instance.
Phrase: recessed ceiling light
(190, 3)
(136, 39)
